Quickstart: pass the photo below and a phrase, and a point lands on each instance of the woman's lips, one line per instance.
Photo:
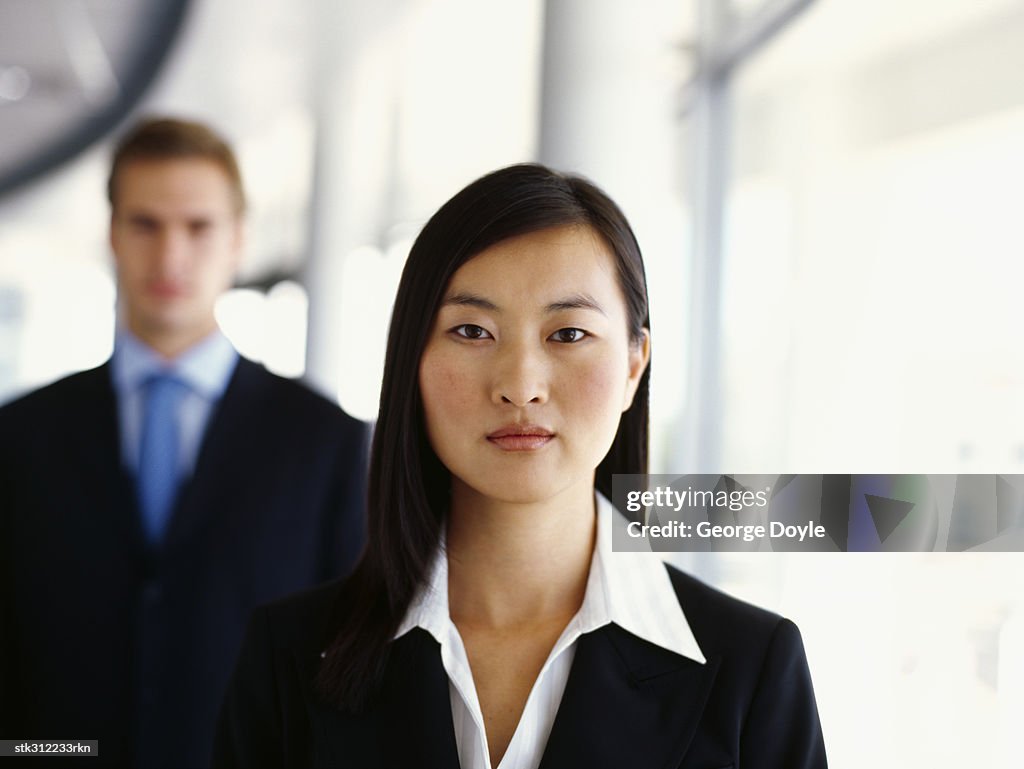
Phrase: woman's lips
(521, 438)
(165, 290)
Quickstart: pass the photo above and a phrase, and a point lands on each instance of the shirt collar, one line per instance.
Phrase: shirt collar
(205, 367)
(633, 590)
(429, 608)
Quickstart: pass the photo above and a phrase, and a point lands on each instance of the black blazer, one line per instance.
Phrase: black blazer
(103, 639)
(627, 703)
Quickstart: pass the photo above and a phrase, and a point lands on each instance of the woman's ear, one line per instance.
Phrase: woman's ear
(639, 357)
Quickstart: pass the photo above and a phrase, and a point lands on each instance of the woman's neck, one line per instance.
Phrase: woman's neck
(514, 563)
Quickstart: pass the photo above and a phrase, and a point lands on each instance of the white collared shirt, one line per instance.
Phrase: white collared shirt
(206, 368)
(632, 590)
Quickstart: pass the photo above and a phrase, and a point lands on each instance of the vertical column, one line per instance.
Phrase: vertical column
(607, 92)
(611, 77)
(353, 105)
(699, 447)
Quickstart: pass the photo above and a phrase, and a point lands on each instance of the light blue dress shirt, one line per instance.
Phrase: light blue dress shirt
(206, 368)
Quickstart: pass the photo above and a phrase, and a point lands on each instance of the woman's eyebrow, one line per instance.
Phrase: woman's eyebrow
(466, 299)
(576, 302)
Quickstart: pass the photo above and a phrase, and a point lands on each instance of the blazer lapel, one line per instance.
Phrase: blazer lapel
(220, 453)
(409, 724)
(627, 703)
(416, 708)
(96, 445)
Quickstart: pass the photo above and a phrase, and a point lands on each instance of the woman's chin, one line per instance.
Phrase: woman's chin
(521, 489)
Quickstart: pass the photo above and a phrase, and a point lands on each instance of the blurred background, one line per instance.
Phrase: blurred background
(827, 194)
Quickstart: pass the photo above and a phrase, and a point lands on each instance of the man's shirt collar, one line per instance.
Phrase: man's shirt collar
(205, 367)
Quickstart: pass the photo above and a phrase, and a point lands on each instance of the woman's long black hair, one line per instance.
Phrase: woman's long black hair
(408, 485)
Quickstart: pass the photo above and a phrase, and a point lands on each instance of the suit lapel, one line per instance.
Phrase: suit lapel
(96, 446)
(220, 452)
(410, 722)
(417, 718)
(627, 703)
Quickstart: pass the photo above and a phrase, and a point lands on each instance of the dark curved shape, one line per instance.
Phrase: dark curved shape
(139, 73)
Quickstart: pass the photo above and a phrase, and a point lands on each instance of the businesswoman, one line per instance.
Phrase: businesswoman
(488, 623)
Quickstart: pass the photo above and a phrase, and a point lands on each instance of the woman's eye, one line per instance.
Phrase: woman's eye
(569, 335)
(471, 331)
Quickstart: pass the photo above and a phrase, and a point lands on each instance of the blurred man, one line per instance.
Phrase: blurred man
(147, 506)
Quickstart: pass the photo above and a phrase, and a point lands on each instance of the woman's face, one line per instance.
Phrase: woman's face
(529, 366)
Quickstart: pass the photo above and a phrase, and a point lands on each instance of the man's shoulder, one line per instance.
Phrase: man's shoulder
(298, 398)
(69, 392)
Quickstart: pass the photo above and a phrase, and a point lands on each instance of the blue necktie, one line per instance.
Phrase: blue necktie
(158, 453)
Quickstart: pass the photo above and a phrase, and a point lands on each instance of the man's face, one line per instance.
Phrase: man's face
(177, 239)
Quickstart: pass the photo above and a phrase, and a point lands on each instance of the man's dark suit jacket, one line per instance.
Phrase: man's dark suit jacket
(101, 638)
(627, 704)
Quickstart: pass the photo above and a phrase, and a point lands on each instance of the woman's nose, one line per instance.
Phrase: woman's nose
(520, 376)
